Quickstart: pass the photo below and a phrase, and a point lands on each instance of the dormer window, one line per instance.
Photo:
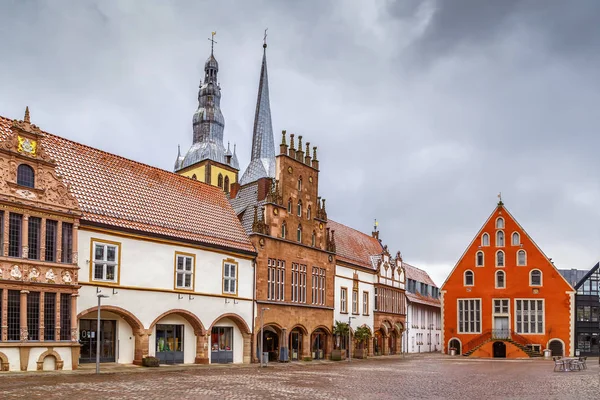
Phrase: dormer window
(25, 176)
(500, 223)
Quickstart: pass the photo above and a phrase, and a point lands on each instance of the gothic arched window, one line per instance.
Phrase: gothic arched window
(314, 239)
(299, 233)
(516, 240)
(299, 184)
(289, 209)
(521, 258)
(299, 208)
(500, 280)
(485, 239)
(499, 258)
(535, 278)
(25, 175)
(283, 230)
(226, 184)
(194, 177)
(499, 239)
(469, 278)
(220, 181)
(308, 212)
(500, 223)
(479, 258)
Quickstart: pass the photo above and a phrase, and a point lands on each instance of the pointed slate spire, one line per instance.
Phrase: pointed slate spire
(262, 160)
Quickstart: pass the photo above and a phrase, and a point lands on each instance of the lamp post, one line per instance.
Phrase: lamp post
(262, 333)
(100, 297)
(350, 318)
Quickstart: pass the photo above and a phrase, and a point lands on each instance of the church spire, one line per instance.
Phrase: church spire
(262, 160)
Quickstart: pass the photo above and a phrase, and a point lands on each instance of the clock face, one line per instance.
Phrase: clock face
(290, 169)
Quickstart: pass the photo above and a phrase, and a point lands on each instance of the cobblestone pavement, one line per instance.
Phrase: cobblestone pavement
(421, 377)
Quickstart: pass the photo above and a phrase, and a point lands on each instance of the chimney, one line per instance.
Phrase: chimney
(264, 185)
(233, 190)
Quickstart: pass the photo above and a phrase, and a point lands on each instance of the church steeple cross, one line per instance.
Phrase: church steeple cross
(265, 38)
(212, 41)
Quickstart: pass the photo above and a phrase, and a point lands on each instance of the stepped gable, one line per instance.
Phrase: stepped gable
(125, 194)
(353, 246)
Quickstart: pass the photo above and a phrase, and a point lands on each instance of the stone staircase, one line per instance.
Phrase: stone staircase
(491, 336)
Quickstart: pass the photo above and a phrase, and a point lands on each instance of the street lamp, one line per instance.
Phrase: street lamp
(100, 297)
(350, 318)
(262, 333)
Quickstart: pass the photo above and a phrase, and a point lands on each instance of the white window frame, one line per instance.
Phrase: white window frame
(482, 259)
(541, 278)
(344, 300)
(483, 237)
(502, 302)
(365, 303)
(105, 263)
(519, 264)
(520, 325)
(512, 239)
(465, 278)
(496, 279)
(355, 301)
(184, 271)
(500, 238)
(503, 259)
(230, 278)
(477, 322)
(499, 223)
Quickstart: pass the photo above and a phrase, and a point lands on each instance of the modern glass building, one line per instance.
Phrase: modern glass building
(587, 302)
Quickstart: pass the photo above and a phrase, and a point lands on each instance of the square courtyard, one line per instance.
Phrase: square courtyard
(417, 376)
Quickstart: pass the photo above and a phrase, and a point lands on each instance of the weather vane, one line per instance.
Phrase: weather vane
(212, 41)
(265, 38)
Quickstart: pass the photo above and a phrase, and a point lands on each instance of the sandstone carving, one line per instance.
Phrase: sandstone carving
(15, 272)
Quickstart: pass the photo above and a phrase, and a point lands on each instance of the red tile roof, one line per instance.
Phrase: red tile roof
(126, 194)
(417, 274)
(353, 246)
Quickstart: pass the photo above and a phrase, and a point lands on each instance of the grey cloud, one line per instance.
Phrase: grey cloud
(422, 111)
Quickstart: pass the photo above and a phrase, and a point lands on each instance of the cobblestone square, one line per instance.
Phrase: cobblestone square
(423, 377)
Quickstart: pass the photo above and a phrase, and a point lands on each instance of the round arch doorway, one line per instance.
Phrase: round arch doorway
(296, 338)
(556, 347)
(499, 350)
(455, 344)
(270, 343)
(319, 344)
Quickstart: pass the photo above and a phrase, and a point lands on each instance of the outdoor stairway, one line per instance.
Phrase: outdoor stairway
(503, 336)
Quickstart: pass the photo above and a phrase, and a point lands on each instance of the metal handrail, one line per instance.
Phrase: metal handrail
(477, 341)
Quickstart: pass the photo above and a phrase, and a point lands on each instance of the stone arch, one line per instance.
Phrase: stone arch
(132, 320)
(455, 340)
(50, 353)
(301, 327)
(553, 345)
(188, 316)
(3, 362)
(324, 328)
(239, 322)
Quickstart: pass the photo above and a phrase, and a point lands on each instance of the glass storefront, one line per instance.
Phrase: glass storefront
(318, 345)
(296, 344)
(169, 344)
(88, 340)
(221, 345)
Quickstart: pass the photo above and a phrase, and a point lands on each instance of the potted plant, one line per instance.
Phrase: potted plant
(340, 330)
(452, 351)
(362, 335)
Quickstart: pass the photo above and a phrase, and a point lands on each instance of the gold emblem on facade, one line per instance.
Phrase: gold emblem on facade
(27, 146)
(310, 179)
(290, 169)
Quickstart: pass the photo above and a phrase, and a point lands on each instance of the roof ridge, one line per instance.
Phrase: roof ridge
(181, 177)
(355, 230)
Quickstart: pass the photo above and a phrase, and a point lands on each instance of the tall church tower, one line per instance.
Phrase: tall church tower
(207, 160)
(262, 161)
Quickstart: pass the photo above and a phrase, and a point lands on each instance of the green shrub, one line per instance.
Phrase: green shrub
(150, 362)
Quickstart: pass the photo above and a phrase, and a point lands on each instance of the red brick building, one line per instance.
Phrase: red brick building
(505, 298)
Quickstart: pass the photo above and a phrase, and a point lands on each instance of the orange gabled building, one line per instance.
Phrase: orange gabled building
(505, 298)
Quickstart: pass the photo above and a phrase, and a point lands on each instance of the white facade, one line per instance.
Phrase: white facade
(346, 278)
(424, 328)
(143, 295)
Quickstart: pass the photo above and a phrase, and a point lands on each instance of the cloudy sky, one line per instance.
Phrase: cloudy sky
(422, 110)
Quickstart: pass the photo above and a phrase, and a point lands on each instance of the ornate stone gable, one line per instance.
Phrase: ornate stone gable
(24, 144)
